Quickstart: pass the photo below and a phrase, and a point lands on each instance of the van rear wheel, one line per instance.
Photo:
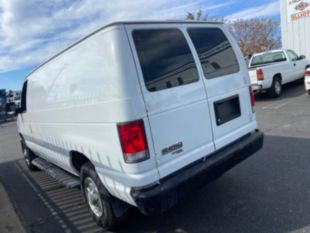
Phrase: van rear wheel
(98, 199)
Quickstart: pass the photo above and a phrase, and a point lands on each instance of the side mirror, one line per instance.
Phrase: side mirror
(301, 57)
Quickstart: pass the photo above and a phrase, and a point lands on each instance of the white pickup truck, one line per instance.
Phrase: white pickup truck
(270, 70)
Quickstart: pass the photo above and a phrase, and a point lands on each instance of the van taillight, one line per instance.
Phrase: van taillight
(133, 141)
(260, 74)
(252, 98)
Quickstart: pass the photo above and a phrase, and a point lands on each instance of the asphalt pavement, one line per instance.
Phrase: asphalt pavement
(269, 192)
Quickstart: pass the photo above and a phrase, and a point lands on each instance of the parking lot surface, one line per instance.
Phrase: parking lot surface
(269, 192)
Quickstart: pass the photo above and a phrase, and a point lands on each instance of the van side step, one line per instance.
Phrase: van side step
(67, 179)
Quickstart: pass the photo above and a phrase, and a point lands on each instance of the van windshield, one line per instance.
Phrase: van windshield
(268, 58)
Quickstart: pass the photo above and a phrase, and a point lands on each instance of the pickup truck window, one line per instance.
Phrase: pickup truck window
(215, 52)
(292, 55)
(268, 58)
(165, 58)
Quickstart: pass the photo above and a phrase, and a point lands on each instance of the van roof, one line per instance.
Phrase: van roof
(122, 23)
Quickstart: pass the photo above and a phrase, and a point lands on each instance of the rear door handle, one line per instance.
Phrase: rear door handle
(294, 64)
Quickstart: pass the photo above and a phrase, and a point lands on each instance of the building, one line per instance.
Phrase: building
(9, 101)
(295, 25)
(14, 97)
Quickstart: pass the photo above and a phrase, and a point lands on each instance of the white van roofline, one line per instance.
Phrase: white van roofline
(117, 23)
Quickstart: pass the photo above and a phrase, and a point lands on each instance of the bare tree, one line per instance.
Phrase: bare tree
(200, 16)
(252, 35)
(256, 35)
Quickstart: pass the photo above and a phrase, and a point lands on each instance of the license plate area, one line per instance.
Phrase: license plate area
(227, 109)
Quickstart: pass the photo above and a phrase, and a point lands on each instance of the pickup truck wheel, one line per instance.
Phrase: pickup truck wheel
(276, 88)
(29, 156)
(98, 199)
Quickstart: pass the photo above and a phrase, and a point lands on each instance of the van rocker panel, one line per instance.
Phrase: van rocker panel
(159, 198)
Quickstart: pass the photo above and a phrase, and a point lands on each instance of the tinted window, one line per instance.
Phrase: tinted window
(216, 55)
(268, 58)
(165, 58)
(24, 98)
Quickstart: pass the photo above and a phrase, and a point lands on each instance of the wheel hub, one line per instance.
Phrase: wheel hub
(93, 197)
(278, 87)
(26, 156)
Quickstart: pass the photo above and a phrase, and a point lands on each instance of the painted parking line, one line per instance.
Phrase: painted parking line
(276, 105)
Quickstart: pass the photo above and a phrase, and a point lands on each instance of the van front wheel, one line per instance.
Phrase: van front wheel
(98, 199)
(29, 156)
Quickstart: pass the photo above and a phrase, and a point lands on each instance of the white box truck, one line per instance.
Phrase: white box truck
(139, 114)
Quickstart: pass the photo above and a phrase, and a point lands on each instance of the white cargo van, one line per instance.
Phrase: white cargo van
(142, 112)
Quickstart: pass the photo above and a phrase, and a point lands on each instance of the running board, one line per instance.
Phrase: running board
(67, 179)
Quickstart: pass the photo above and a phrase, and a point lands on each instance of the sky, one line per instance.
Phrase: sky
(31, 31)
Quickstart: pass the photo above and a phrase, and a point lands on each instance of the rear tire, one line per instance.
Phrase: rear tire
(276, 88)
(308, 92)
(99, 200)
(29, 156)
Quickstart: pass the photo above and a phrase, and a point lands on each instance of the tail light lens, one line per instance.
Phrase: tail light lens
(252, 98)
(260, 74)
(133, 141)
(307, 73)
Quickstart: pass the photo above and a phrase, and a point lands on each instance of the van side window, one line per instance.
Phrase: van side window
(215, 52)
(24, 97)
(165, 58)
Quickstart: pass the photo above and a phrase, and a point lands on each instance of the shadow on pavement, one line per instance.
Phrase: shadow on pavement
(267, 193)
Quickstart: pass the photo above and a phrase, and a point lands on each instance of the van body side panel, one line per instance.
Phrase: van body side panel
(76, 101)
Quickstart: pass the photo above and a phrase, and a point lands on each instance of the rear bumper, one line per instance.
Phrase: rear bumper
(171, 189)
(257, 87)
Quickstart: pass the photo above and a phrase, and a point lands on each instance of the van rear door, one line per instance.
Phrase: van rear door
(227, 83)
(174, 95)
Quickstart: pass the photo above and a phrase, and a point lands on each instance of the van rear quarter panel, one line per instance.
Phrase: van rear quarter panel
(75, 102)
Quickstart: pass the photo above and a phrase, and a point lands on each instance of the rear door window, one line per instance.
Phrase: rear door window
(165, 58)
(215, 52)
